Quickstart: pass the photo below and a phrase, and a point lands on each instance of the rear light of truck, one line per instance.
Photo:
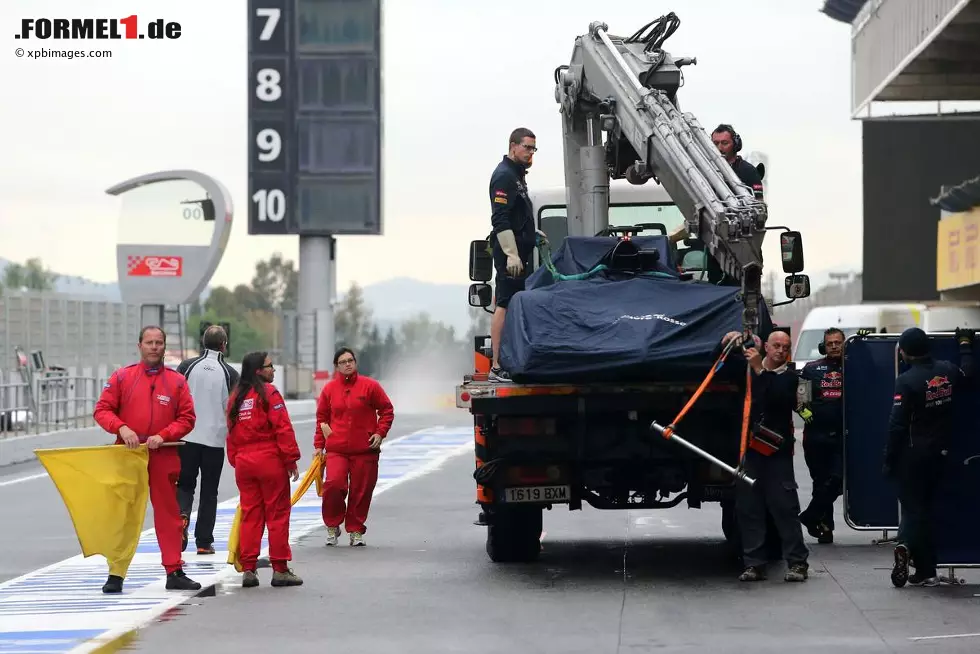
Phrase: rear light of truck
(517, 426)
(534, 474)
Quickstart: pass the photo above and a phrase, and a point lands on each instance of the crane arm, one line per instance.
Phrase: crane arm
(627, 88)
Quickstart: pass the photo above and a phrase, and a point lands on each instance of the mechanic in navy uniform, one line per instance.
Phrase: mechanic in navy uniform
(823, 445)
(729, 144)
(919, 430)
(514, 234)
(770, 463)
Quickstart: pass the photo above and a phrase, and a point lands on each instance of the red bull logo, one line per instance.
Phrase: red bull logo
(938, 388)
(832, 379)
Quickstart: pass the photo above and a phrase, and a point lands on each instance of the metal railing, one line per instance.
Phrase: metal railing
(52, 402)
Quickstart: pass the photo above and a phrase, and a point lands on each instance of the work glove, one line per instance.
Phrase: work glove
(864, 331)
(509, 245)
(541, 238)
(964, 337)
(806, 414)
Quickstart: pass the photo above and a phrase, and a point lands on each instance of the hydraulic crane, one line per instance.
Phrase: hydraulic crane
(627, 88)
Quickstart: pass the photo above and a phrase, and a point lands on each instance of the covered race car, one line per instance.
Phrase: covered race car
(617, 311)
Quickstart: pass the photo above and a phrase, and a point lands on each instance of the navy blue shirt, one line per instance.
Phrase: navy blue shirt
(511, 207)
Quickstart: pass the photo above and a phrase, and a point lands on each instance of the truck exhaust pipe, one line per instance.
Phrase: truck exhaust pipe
(671, 435)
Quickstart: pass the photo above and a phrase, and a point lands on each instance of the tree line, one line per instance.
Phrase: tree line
(30, 275)
(257, 314)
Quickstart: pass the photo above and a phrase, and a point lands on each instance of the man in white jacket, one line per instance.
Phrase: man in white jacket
(210, 380)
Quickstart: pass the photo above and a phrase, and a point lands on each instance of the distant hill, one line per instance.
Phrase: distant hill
(392, 301)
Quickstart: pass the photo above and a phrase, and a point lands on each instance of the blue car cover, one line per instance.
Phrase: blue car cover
(617, 326)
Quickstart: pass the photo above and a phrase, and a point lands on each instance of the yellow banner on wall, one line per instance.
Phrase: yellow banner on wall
(958, 250)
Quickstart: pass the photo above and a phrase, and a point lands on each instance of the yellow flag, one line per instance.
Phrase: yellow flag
(105, 489)
(314, 474)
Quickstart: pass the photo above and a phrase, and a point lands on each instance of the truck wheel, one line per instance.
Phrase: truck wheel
(514, 534)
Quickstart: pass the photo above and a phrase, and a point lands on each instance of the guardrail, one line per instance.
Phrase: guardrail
(49, 403)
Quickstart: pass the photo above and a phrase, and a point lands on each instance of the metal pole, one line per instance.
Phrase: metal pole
(737, 472)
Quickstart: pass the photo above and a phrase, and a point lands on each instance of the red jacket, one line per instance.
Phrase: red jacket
(355, 407)
(262, 427)
(150, 401)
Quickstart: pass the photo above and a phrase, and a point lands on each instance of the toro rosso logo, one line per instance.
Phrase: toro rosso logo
(938, 387)
(831, 384)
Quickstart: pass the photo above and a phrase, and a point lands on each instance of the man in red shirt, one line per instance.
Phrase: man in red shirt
(353, 417)
(147, 402)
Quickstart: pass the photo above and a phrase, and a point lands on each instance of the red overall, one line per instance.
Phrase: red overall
(262, 449)
(355, 407)
(153, 402)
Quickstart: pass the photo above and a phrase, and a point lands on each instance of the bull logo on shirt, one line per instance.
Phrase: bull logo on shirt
(938, 388)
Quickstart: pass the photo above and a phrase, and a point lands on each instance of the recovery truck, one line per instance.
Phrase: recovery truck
(637, 444)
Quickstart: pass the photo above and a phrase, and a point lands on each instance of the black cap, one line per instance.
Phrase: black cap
(914, 342)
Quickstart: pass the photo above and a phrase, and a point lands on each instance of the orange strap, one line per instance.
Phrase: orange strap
(746, 408)
(669, 429)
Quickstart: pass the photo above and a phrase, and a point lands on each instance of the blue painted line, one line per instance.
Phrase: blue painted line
(45, 642)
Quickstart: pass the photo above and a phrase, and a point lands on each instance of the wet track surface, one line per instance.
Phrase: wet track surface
(637, 581)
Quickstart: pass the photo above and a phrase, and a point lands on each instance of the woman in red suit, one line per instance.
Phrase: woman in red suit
(353, 417)
(262, 449)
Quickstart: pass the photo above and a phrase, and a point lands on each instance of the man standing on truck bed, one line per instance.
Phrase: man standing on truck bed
(513, 235)
(823, 445)
(769, 460)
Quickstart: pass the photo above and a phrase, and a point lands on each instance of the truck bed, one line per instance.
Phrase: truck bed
(480, 395)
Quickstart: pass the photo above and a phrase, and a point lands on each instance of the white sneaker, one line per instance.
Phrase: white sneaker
(357, 540)
(333, 534)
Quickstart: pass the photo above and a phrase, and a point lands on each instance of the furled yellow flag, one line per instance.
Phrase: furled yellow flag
(314, 474)
(105, 489)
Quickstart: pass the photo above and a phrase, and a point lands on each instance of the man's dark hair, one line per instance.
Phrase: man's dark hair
(726, 128)
(520, 134)
(341, 352)
(151, 328)
(214, 337)
(248, 380)
(830, 331)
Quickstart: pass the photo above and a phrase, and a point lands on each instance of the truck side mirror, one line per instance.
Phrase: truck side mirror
(797, 286)
(481, 262)
(791, 248)
(481, 295)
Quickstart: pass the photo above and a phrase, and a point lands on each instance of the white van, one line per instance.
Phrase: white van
(881, 318)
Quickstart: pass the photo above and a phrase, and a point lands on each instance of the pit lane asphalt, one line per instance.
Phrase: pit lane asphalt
(37, 530)
(633, 581)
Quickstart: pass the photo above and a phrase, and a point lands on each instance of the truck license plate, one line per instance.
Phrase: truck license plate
(538, 494)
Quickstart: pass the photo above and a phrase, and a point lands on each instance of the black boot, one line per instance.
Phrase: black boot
(177, 580)
(113, 584)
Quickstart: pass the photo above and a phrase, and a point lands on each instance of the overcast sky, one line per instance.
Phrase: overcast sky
(458, 77)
